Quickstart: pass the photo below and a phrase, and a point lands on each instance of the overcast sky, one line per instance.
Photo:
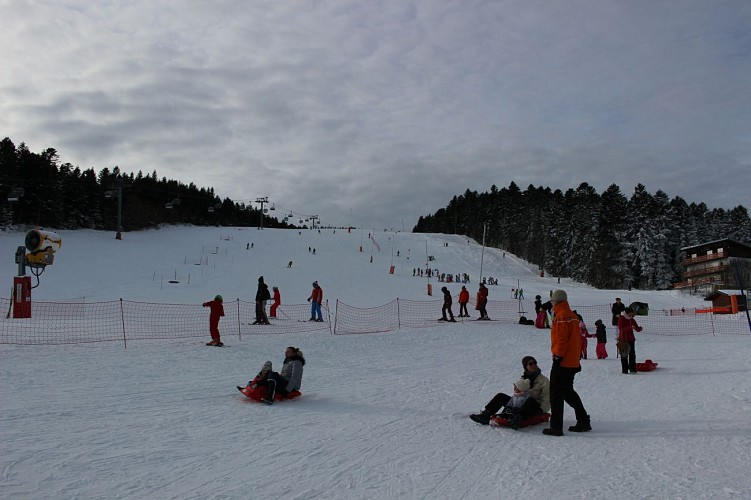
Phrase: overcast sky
(387, 109)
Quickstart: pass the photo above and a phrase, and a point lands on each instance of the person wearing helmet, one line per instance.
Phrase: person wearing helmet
(217, 311)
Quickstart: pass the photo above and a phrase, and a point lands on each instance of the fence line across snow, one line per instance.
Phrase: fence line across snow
(122, 321)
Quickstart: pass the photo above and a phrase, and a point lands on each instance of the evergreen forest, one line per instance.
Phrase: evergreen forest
(36, 189)
(607, 240)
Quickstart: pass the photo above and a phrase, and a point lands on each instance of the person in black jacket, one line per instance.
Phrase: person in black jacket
(617, 308)
(262, 295)
(447, 306)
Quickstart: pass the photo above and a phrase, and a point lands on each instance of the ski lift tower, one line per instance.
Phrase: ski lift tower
(313, 219)
(262, 200)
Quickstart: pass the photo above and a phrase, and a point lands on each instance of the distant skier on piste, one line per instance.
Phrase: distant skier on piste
(217, 311)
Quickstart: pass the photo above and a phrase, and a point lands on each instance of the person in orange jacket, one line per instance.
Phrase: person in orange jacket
(463, 300)
(277, 302)
(217, 311)
(565, 346)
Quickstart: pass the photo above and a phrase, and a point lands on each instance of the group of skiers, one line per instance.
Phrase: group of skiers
(441, 277)
(262, 297)
(480, 304)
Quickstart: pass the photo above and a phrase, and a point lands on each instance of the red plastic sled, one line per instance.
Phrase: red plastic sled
(647, 366)
(497, 421)
(258, 393)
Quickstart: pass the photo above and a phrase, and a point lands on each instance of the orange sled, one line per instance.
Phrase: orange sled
(499, 421)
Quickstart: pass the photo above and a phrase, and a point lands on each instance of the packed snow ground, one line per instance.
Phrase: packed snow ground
(381, 416)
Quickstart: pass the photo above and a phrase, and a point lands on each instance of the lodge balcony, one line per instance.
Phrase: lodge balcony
(706, 280)
(700, 271)
(704, 258)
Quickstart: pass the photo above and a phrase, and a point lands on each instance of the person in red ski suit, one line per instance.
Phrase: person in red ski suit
(482, 301)
(277, 302)
(626, 328)
(584, 335)
(463, 300)
(217, 311)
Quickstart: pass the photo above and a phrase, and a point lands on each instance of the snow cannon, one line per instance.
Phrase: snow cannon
(41, 247)
(38, 253)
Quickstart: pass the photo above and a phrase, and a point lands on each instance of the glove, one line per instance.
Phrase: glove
(557, 360)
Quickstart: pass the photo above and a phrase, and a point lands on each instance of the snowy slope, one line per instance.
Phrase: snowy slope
(382, 415)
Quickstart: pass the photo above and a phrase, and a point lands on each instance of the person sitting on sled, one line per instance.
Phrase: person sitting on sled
(539, 390)
(521, 405)
(290, 379)
(262, 375)
(217, 311)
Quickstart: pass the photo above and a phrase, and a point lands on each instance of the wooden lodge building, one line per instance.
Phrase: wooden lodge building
(716, 265)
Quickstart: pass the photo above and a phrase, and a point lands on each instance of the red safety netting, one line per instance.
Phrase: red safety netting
(83, 322)
(418, 314)
(63, 323)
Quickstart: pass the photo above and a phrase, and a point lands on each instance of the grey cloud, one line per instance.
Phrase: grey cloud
(387, 108)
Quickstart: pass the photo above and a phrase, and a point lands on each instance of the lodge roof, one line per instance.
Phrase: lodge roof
(723, 240)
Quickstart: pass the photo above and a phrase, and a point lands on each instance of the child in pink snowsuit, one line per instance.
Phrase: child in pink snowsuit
(584, 335)
(602, 339)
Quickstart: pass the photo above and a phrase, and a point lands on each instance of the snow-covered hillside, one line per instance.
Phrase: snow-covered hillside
(381, 416)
